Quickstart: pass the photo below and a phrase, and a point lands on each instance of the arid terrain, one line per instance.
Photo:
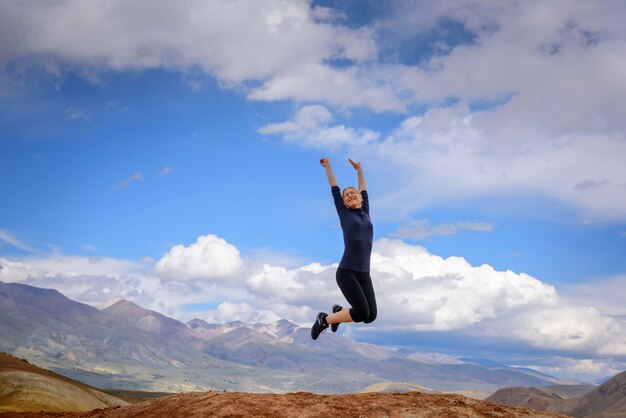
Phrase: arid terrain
(605, 401)
(25, 387)
(304, 404)
(29, 391)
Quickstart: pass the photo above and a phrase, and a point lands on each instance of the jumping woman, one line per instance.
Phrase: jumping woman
(353, 273)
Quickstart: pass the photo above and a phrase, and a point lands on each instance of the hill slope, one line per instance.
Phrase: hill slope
(526, 397)
(569, 391)
(24, 387)
(607, 400)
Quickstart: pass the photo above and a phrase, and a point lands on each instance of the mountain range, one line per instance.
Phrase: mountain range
(126, 346)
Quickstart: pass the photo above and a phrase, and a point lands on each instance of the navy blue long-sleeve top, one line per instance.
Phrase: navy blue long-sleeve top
(358, 232)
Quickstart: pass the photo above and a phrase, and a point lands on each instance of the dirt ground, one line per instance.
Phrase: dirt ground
(303, 404)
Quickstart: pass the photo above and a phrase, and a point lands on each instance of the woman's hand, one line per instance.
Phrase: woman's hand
(357, 166)
(325, 162)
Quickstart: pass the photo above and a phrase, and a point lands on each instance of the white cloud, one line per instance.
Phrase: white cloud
(586, 370)
(19, 269)
(606, 294)
(166, 170)
(563, 59)
(310, 127)
(229, 311)
(449, 157)
(209, 258)
(10, 239)
(350, 87)
(420, 229)
(564, 327)
(279, 286)
(92, 280)
(308, 117)
(72, 114)
(100, 280)
(115, 105)
(561, 63)
(446, 294)
(126, 182)
(265, 40)
(564, 63)
(425, 292)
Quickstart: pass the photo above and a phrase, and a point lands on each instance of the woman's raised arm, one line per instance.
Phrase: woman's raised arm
(357, 167)
(329, 172)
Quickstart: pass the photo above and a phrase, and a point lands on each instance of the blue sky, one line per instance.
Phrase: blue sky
(227, 179)
(489, 134)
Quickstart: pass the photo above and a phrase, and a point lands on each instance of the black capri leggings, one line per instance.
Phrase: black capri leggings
(357, 288)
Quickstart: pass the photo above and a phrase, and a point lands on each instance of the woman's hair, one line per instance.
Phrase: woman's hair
(344, 190)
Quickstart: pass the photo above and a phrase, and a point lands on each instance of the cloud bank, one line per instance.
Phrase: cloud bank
(271, 41)
(416, 292)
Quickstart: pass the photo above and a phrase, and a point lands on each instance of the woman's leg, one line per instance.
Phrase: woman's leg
(365, 280)
(341, 316)
(353, 292)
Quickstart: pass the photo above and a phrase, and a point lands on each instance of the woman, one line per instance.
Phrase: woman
(353, 273)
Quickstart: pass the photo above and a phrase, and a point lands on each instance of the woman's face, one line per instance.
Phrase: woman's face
(352, 198)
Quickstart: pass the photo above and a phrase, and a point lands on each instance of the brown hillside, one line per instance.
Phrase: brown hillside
(8, 362)
(304, 404)
(24, 387)
(605, 401)
(525, 397)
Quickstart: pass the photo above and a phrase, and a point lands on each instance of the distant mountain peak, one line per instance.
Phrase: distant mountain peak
(129, 310)
(124, 303)
(109, 303)
(39, 291)
(285, 323)
(197, 322)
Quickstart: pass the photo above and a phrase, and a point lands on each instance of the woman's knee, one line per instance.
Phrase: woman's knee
(360, 313)
(370, 318)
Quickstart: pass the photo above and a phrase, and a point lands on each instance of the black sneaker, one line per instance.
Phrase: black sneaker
(319, 326)
(335, 326)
